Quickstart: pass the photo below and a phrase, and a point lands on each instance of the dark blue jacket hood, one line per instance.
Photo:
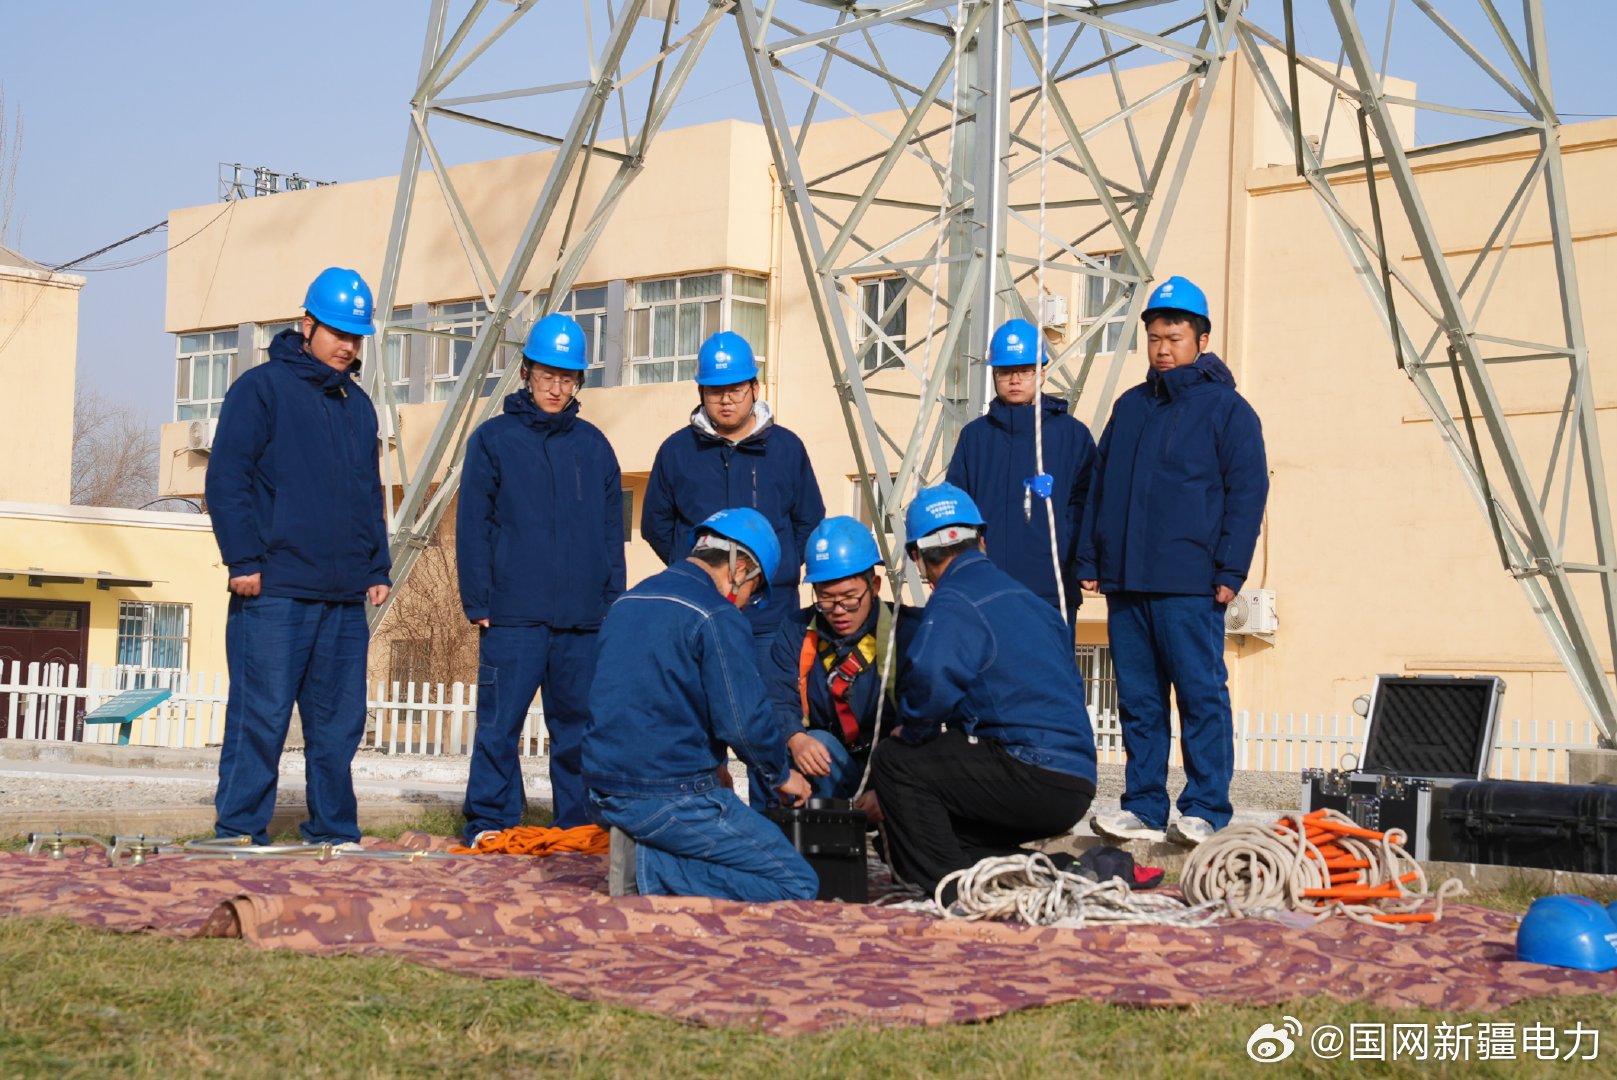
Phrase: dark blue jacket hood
(1179, 488)
(539, 526)
(293, 484)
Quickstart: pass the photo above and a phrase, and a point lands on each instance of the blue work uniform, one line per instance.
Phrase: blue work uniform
(539, 550)
(676, 684)
(295, 495)
(1174, 512)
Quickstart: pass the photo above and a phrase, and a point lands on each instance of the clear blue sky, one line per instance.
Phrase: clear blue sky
(129, 107)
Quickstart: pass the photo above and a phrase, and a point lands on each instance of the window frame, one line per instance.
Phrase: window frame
(873, 352)
(1092, 300)
(639, 359)
(139, 622)
(206, 407)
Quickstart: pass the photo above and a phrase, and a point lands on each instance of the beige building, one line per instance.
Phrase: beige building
(83, 587)
(1377, 555)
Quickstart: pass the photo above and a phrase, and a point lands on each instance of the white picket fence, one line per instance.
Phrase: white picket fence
(434, 719)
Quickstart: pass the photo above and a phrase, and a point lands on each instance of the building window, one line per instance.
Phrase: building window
(860, 509)
(461, 320)
(396, 350)
(1095, 293)
(669, 318)
(881, 342)
(1100, 679)
(268, 332)
(588, 307)
(203, 373)
(154, 635)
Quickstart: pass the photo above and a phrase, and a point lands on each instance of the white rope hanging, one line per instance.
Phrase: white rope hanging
(1030, 889)
(1038, 390)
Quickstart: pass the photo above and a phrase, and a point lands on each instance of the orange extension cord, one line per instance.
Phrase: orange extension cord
(540, 840)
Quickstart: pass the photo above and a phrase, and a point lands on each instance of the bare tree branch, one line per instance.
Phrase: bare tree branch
(114, 453)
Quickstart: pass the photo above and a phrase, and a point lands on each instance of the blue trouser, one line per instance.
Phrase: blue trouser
(841, 783)
(708, 843)
(280, 650)
(513, 662)
(1158, 640)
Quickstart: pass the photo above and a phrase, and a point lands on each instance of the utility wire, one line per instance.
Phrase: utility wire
(136, 236)
(115, 244)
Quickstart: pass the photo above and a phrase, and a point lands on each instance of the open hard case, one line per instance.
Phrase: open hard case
(1425, 734)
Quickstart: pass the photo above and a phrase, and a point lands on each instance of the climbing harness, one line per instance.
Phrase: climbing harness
(1317, 865)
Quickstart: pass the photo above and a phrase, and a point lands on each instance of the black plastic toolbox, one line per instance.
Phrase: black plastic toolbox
(1548, 826)
(830, 834)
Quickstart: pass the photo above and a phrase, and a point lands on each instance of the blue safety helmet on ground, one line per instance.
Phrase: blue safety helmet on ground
(557, 341)
(341, 300)
(839, 547)
(751, 531)
(724, 360)
(1017, 343)
(1568, 931)
(1177, 294)
(946, 511)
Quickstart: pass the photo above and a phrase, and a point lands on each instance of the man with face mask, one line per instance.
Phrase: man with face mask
(539, 546)
(1168, 535)
(732, 454)
(676, 685)
(294, 490)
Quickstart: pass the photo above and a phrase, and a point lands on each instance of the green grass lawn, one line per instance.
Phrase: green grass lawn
(81, 1002)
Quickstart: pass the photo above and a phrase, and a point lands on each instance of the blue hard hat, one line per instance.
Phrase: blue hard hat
(1568, 931)
(937, 508)
(341, 299)
(1177, 294)
(1017, 343)
(751, 530)
(557, 341)
(839, 547)
(724, 360)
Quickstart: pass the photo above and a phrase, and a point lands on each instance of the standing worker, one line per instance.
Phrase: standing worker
(539, 543)
(677, 685)
(997, 463)
(1168, 536)
(294, 490)
(827, 663)
(732, 454)
(994, 747)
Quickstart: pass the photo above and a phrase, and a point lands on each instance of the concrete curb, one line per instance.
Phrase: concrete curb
(187, 821)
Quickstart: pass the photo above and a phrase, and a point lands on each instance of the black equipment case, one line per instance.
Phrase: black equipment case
(1550, 826)
(1425, 735)
(830, 834)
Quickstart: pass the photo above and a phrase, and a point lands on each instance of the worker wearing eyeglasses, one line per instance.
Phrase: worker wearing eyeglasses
(539, 539)
(732, 454)
(826, 664)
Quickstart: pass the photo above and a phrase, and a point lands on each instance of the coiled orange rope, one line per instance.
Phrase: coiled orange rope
(541, 840)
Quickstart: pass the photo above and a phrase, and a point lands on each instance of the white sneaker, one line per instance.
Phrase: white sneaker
(1190, 831)
(478, 839)
(348, 845)
(1124, 825)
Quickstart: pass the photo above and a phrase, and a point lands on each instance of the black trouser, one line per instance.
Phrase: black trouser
(951, 803)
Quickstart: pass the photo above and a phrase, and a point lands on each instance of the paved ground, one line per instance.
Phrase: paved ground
(48, 785)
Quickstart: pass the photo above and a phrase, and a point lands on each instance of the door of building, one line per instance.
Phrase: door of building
(43, 632)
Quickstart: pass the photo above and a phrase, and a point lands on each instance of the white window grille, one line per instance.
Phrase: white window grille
(396, 353)
(669, 318)
(1096, 291)
(203, 373)
(154, 635)
(461, 320)
(268, 332)
(881, 341)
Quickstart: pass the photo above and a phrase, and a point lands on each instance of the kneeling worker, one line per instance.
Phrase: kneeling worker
(995, 747)
(676, 682)
(825, 666)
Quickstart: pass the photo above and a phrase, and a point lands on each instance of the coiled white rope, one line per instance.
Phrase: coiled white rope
(1264, 869)
(1030, 889)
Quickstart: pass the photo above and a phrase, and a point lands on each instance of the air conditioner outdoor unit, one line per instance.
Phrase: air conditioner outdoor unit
(1251, 612)
(199, 436)
(1053, 312)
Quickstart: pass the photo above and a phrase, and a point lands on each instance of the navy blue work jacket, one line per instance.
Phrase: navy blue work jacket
(675, 683)
(996, 661)
(697, 473)
(293, 484)
(995, 454)
(1179, 487)
(539, 529)
(783, 673)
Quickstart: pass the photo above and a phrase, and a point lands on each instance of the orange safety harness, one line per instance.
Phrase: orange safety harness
(541, 840)
(840, 674)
